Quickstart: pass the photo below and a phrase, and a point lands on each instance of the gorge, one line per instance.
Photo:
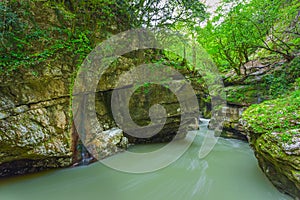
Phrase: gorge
(43, 46)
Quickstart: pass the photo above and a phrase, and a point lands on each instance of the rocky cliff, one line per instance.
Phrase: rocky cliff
(36, 129)
(44, 45)
(35, 121)
(273, 131)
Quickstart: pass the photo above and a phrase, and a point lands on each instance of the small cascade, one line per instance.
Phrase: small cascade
(85, 157)
(203, 121)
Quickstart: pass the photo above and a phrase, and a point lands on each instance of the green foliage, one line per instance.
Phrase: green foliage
(285, 137)
(170, 59)
(242, 95)
(276, 86)
(231, 38)
(146, 87)
(28, 44)
(273, 85)
(281, 81)
(16, 59)
(30, 38)
(279, 115)
(297, 84)
(151, 13)
(10, 28)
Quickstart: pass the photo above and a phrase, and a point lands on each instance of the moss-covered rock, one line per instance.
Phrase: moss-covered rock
(280, 160)
(36, 82)
(277, 115)
(34, 125)
(144, 96)
(273, 129)
(265, 80)
(242, 95)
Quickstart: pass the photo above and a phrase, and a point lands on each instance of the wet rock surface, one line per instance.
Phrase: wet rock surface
(280, 161)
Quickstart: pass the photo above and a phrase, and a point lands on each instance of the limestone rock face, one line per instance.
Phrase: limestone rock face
(143, 98)
(37, 128)
(273, 130)
(232, 128)
(34, 125)
(279, 160)
(238, 98)
(107, 143)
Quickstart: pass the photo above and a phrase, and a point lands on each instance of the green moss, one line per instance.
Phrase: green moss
(280, 82)
(279, 115)
(277, 83)
(244, 95)
(36, 32)
(266, 144)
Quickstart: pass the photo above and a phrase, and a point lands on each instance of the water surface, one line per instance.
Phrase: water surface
(229, 172)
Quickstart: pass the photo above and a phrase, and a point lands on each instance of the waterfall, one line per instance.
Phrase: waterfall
(85, 156)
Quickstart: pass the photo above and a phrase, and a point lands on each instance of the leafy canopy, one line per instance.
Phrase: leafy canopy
(233, 36)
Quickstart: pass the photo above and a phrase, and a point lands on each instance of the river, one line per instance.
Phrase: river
(229, 172)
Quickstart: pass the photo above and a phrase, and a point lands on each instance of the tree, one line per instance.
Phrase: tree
(25, 41)
(250, 26)
(162, 14)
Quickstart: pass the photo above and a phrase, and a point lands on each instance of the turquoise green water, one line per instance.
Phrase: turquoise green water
(229, 172)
